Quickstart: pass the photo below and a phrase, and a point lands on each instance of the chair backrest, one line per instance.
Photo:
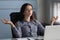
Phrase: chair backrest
(14, 17)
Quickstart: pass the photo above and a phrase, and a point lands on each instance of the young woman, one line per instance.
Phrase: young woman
(27, 26)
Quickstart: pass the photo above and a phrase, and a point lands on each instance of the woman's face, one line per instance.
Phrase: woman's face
(28, 11)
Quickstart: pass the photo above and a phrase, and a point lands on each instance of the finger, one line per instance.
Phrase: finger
(56, 17)
(5, 19)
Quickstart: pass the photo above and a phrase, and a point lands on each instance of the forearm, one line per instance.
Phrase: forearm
(17, 33)
(16, 30)
(12, 25)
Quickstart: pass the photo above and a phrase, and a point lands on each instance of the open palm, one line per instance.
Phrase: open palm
(53, 20)
(6, 21)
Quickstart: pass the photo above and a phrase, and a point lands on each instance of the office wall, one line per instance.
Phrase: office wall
(41, 10)
(49, 10)
(8, 6)
(45, 12)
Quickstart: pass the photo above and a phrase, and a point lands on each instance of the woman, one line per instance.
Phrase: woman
(27, 26)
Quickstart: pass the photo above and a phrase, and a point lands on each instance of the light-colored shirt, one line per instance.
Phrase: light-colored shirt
(28, 29)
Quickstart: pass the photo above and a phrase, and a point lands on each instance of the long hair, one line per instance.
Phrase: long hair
(21, 15)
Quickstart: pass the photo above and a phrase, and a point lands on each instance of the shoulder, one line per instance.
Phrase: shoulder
(18, 23)
(37, 21)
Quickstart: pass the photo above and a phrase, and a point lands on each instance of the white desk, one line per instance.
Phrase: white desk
(30, 38)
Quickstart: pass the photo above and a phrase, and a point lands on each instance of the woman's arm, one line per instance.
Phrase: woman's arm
(40, 28)
(17, 32)
(15, 29)
(5, 21)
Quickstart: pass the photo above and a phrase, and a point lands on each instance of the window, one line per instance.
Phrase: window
(56, 11)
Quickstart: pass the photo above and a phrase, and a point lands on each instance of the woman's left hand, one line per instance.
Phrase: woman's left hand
(53, 20)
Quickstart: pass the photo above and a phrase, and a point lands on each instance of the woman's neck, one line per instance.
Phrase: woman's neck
(27, 19)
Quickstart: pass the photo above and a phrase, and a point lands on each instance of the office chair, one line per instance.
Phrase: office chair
(14, 17)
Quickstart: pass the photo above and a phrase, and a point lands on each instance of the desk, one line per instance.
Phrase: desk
(27, 38)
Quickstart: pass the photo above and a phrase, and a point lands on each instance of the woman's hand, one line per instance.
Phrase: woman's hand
(5, 21)
(53, 20)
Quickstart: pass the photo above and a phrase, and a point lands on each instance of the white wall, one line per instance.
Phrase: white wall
(41, 12)
(45, 10)
(49, 10)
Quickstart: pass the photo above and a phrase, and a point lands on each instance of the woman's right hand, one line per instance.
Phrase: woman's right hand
(5, 21)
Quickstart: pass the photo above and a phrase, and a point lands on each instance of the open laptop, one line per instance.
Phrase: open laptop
(52, 32)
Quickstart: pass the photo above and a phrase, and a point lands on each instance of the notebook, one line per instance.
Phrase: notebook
(52, 32)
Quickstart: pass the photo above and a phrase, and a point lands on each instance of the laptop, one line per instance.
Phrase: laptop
(52, 32)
